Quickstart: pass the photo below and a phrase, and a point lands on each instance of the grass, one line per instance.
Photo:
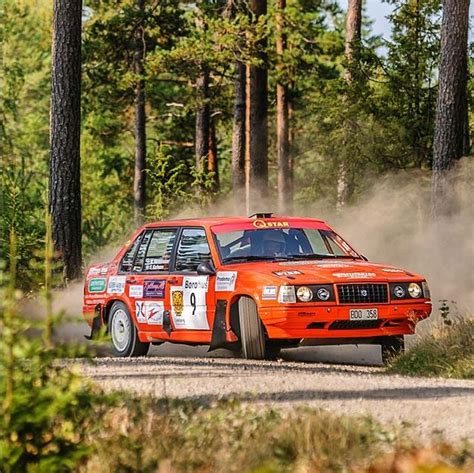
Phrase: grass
(448, 351)
(149, 435)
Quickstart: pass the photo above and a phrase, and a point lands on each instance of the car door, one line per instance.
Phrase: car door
(148, 288)
(191, 295)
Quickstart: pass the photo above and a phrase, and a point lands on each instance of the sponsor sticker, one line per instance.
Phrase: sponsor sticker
(97, 285)
(188, 303)
(225, 281)
(154, 288)
(149, 312)
(198, 283)
(269, 293)
(295, 263)
(135, 291)
(177, 301)
(93, 271)
(116, 285)
(332, 265)
(290, 272)
(392, 270)
(354, 275)
(263, 224)
(154, 264)
(103, 270)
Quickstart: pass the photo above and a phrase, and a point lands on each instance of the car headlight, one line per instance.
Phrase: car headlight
(287, 294)
(426, 290)
(323, 294)
(399, 291)
(304, 294)
(414, 290)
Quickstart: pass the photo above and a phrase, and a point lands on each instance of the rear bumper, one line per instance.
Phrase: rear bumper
(315, 322)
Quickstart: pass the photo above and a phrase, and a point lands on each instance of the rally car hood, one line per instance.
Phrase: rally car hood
(326, 271)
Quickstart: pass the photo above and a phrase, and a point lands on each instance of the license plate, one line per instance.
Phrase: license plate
(363, 314)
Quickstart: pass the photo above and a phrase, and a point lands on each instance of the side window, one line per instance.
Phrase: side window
(193, 249)
(159, 251)
(141, 253)
(127, 260)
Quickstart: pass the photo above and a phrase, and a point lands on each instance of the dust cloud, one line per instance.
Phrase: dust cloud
(390, 223)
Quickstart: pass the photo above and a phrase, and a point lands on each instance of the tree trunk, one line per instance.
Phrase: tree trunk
(139, 181)
(202, 118)
(466, 145)
(352, 43)
(450, 108)
(238, 137)
(256, 124)
(353, 34)
(285, 198)
(212, 164)
(202, 110)
(64, 166)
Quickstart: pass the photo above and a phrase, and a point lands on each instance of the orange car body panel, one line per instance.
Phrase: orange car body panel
(286, 321)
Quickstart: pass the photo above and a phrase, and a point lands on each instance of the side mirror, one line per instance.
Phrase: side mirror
(206, 268)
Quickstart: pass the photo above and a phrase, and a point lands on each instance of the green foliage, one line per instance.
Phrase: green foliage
(447, 351)
(149, 435)
(46, 408)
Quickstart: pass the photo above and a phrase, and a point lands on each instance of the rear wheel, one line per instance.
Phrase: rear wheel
(252, 333)
(392, 347)
(123, 333)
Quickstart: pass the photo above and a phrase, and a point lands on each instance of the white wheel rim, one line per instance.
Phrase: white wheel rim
(121, 330)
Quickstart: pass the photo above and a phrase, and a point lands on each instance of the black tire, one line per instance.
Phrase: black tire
(252, 334)
(123, 333)
(392, 347)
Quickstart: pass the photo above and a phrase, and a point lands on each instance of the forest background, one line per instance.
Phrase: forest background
(212, 107)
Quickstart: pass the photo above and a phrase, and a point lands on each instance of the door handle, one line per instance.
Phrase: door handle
(173, 280)
(131, 280)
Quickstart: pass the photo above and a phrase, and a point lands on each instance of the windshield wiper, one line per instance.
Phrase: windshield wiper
(306, 256)
(318, 256)
(253, 258)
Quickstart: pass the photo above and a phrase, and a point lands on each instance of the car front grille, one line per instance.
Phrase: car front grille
(355, 324)
(362, 293)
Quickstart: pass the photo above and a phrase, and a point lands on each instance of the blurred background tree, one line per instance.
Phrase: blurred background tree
(194, 61)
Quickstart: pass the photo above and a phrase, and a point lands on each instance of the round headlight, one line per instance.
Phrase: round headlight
(323, 294)
(304, 294)
(399, 291)
(414, 290)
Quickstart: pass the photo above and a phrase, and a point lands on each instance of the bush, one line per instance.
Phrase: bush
(447, 351)
(150, 435)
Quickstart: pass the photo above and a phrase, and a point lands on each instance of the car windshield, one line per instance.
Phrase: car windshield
(276, 244)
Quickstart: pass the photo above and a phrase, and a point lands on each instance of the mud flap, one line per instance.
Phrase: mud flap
(167, 322)
(219, 329)
(95, 328)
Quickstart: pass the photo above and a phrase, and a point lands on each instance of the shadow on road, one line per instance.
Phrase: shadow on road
(383, 394)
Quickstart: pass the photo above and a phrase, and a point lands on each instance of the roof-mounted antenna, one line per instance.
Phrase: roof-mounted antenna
(262, 215)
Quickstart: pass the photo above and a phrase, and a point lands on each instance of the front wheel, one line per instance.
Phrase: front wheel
(123, 333)
(392, 347)
(252, 333)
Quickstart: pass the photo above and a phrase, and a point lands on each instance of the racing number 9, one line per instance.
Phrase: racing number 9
(192, 300)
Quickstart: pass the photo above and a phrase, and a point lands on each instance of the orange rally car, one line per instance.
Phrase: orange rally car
(254, 285)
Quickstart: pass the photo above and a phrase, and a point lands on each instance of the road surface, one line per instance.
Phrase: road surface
(318, 377)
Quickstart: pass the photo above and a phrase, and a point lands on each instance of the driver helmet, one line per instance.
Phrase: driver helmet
(273, 243)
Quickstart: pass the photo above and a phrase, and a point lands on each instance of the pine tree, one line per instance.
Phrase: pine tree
(450, 109)
(64, 168)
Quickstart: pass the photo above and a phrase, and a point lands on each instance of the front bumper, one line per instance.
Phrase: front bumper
(317, 321)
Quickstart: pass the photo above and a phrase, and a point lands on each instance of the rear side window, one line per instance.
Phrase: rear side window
(127, 260)
(159, 251)
(154, 252)
(193, 249)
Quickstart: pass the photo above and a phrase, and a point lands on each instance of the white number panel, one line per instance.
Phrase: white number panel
(188, 303)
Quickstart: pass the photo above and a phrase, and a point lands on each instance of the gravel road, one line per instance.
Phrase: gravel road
(319, 377)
